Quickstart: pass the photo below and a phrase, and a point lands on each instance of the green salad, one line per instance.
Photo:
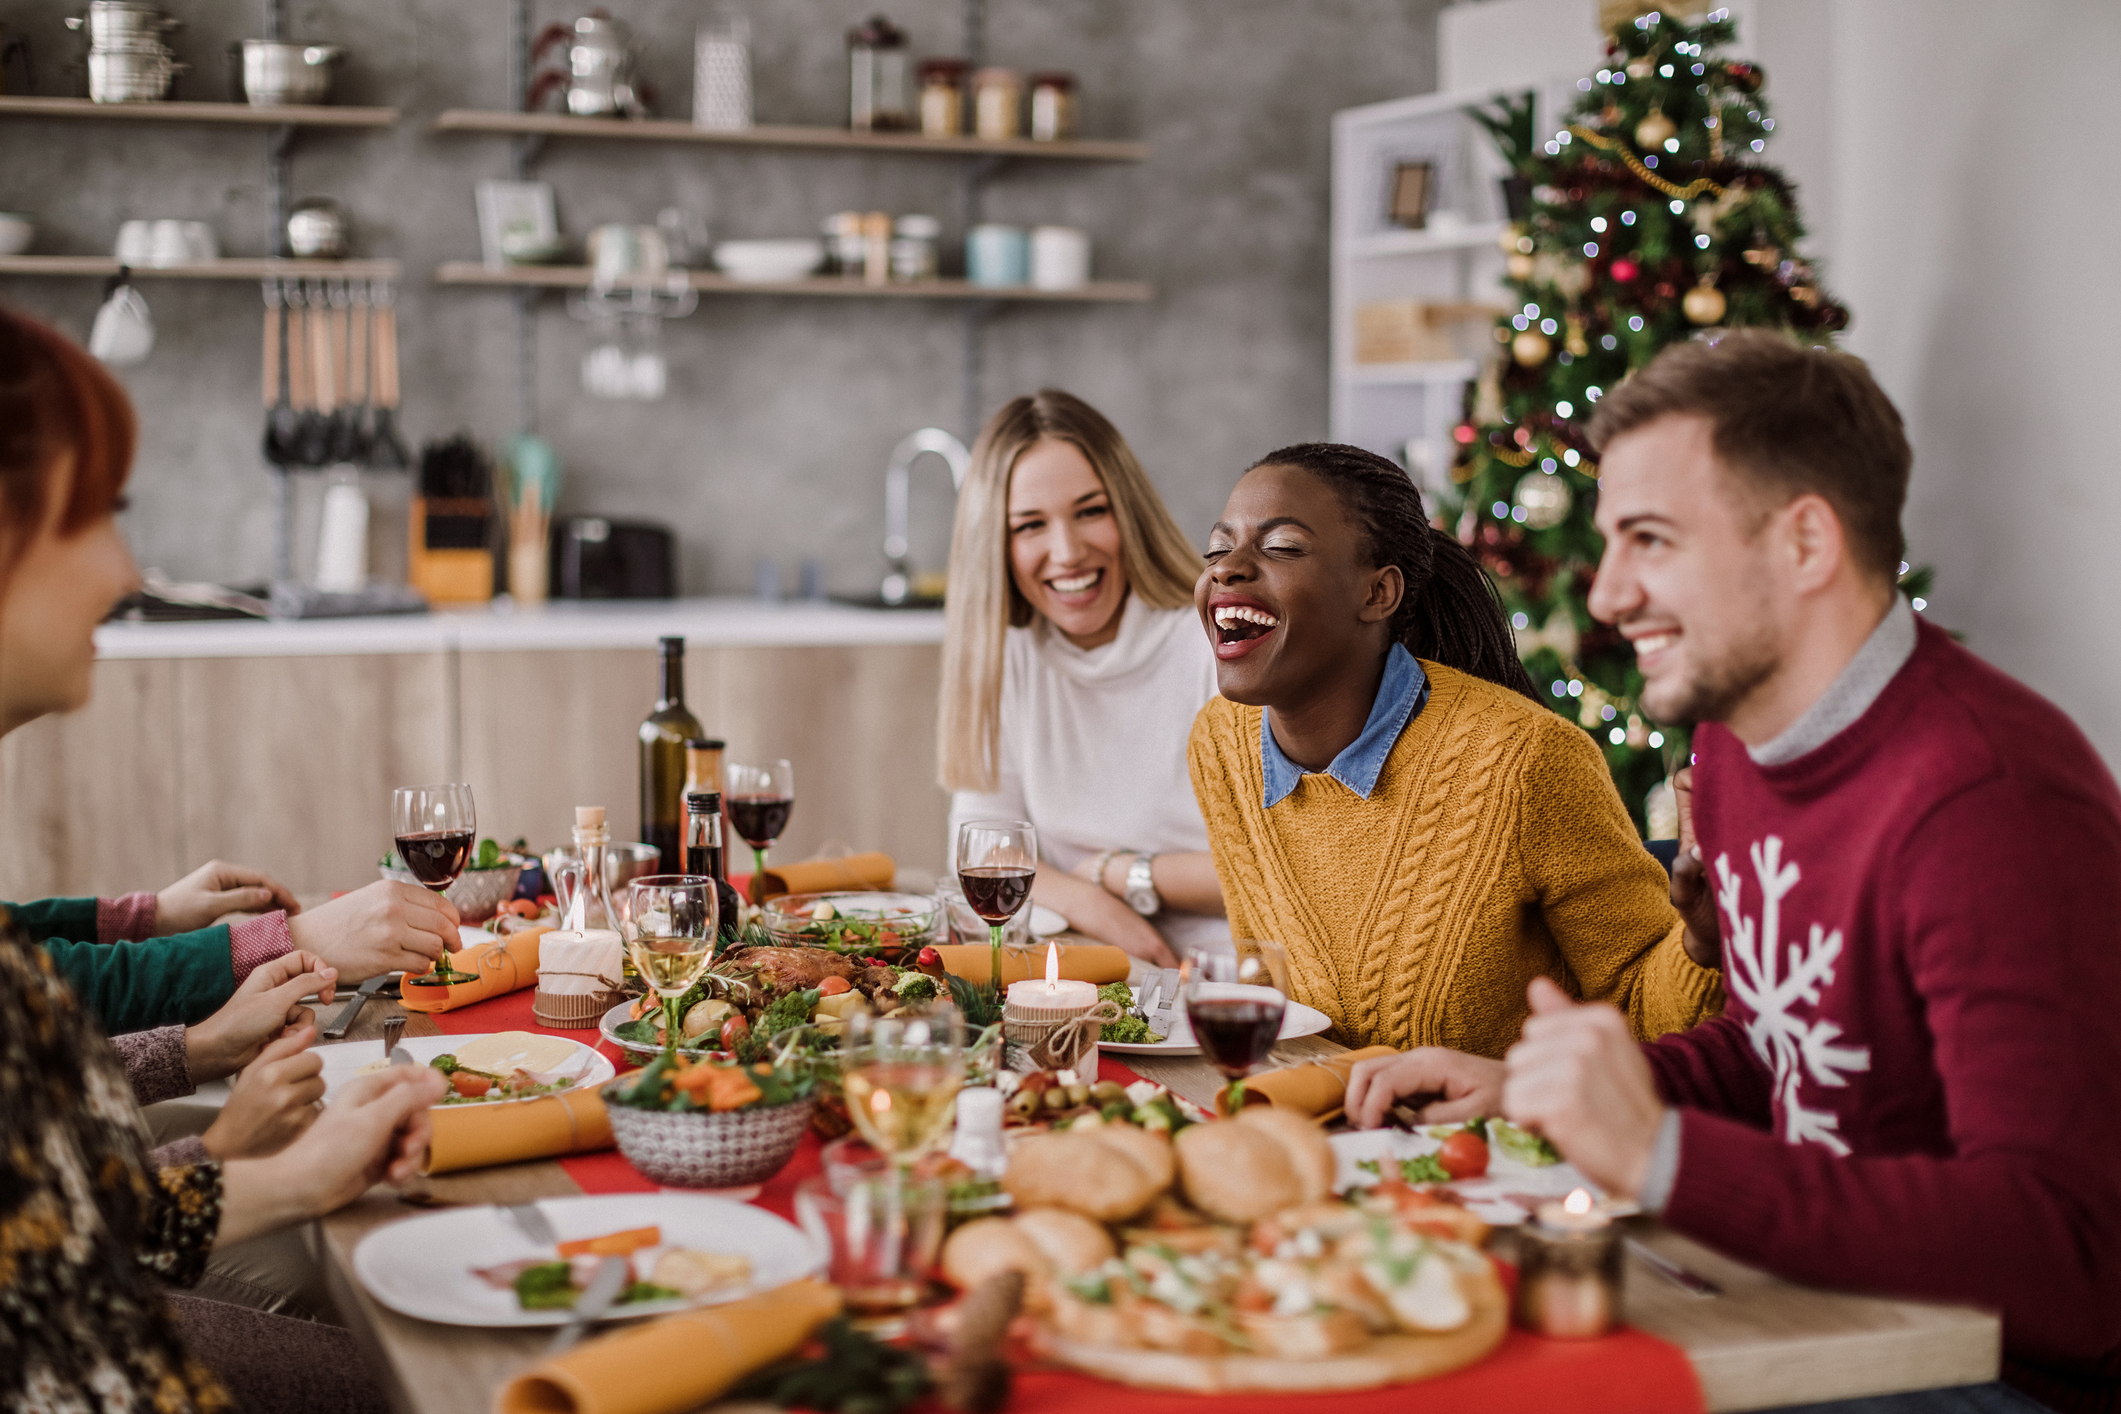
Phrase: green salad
(1132, 1029)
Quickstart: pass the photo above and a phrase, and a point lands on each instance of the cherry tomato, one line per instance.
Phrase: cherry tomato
(468, 1085)
(1464, 1155)
(734, 1030)
(833, 986)
(929, 961)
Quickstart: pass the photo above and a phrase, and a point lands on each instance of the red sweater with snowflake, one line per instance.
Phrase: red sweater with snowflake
(1915, 1088)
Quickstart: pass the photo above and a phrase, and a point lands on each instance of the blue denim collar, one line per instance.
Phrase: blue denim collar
(1402, 693)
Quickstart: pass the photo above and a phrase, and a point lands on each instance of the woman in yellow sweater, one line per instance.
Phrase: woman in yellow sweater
(1385, 796)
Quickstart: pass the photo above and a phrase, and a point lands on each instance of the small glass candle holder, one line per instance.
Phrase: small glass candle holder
(1569, 1270)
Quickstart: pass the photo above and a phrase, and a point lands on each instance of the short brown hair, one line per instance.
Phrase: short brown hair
(1787, 419)
(55, 400)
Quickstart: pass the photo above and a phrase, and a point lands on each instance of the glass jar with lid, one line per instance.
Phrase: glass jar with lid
(916, 242)
(877, 99)
(943, 97)
(997, 104)
(1052, 107)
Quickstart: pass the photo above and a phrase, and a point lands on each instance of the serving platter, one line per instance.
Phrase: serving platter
(342, 1063)
(423, 1267)
(1297, 1020)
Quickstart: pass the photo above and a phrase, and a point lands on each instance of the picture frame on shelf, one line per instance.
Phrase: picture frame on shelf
(1409, 205)
(519, 223)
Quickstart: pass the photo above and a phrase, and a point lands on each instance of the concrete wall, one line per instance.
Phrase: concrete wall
(781, 411)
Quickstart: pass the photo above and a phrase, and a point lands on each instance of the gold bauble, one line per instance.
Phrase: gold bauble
(1575, 343)
(1545, 500)
(1641, 66)
(1531, 348)
(1507, 241)
(1704, 304)
(1655, 130)
(1519, 265)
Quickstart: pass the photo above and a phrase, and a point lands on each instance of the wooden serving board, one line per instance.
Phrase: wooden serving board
(1387, 1360)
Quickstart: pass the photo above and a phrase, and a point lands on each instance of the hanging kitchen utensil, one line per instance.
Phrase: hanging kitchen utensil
(302, 344)
(345, 426)
(356, 443)
(316, 448)
(389, 449)
(279, 414)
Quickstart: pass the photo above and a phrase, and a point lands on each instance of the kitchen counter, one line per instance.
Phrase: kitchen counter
(575, 624)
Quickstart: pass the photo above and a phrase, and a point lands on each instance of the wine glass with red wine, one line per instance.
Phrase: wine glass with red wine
(757, 802)
(1235, 1016)
(435, 827)
(996, 862)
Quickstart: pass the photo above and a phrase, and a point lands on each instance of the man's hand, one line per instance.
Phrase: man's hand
(1579, 1078)
(375, 1129)
(212, 889)
(266, 1006)
(384, 927)
(1470, 1085)
(273, 1102)
(1691, 892)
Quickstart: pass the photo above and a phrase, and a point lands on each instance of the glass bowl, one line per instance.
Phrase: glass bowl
(890, 926)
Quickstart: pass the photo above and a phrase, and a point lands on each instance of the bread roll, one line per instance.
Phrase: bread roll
(1108, 1173)
(1303, 1141)
(1070, 1242)
(985, 1247)
(1245, 1169)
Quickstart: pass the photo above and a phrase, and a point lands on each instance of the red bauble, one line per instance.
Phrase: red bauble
(1745, 77)
(1624, 270)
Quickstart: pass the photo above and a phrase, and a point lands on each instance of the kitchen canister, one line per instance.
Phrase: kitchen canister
(1060, 257)
(998, 255)
(721, 77)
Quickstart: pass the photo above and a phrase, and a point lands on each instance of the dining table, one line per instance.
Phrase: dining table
(1759, 1343)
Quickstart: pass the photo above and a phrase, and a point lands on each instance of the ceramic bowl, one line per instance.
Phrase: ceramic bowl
(16, 233)
(698, 1149)
(769, 262)
(477, 893)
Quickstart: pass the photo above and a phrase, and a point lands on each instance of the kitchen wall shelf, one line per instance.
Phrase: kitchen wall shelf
(233, 269)
(562, 125)
(1388, 243)
(577, 277)
(293, 115)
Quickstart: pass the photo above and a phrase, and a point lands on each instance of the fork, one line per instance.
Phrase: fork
(393, 1032)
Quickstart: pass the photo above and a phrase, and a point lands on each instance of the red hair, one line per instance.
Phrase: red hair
(55, 400)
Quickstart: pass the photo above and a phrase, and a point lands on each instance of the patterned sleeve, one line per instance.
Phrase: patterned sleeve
(154, 1063)
(183, 1214)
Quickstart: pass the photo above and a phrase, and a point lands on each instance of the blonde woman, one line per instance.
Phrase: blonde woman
(1073, 667)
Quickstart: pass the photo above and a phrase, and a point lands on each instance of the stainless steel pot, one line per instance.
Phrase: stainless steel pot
(317, 229)
(277, 71)
(109, 23)
(138, 73)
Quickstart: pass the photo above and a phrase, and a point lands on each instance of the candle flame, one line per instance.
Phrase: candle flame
(1577, 1203)
(880, 1101)
(1052, 968)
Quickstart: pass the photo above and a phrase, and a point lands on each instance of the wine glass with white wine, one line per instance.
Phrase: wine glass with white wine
(901, 1075)
(671, 937)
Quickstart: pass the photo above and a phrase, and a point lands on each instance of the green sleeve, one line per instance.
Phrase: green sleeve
(178, 980)
(72, 918)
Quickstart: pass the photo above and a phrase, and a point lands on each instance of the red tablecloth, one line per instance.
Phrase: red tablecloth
(1625, 1373)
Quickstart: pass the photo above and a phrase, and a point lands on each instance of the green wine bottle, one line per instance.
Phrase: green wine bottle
(664, 733)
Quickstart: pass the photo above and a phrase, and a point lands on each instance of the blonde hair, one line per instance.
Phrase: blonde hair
(983, 602)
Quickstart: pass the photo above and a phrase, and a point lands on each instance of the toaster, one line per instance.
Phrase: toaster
(597, 558)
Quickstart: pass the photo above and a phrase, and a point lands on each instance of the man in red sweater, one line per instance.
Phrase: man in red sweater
(1916, 862)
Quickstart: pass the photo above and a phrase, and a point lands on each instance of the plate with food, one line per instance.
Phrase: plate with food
(496, 1068)
(1132, 1036)
(478, 1267)
(1496, 1170)
(1215, 1257)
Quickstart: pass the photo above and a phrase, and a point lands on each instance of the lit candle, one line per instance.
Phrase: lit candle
(1053, 994)
(1569, 1270)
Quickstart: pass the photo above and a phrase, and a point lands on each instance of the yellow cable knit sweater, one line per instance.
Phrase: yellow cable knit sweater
(1493, 849)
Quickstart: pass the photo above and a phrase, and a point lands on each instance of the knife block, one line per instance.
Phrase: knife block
(449, 554)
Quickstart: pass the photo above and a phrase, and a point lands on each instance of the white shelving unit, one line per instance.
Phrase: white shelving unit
(1406, 410)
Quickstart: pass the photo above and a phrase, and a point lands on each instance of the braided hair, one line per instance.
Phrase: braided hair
(1450, 612)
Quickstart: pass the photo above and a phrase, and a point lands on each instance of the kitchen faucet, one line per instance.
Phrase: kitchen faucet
(898, 479)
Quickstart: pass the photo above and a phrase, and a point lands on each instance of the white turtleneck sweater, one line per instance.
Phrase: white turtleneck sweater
(1093, 746)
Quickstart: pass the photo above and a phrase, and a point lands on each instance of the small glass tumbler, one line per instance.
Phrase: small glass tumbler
(881, 1235)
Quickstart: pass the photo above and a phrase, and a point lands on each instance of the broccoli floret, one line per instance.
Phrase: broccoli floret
(913, 987)
(1129, 1031)
(1117, 993)
(788, 1012)
(447, 1064)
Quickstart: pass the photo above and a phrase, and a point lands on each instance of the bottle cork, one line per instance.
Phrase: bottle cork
(589, 817)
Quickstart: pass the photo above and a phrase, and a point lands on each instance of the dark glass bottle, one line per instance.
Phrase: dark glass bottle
(663, 736)
(704, 857)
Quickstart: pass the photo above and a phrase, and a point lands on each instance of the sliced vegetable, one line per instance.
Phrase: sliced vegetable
(1464, 1155)
(612, 1244)
(1521, 1145)
(833, 986)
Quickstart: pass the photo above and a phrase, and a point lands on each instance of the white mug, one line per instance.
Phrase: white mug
(124, 331)
(136, 242)
(1060, 257)
(199, 242)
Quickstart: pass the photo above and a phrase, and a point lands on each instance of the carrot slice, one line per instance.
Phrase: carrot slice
(613, 1244)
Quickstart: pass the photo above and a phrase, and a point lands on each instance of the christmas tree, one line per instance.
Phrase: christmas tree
(1649, 218)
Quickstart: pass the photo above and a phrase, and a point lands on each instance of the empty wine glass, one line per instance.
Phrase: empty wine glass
(758, 799)
(996, 862)
(1236, 1018)
(671, 937)
(434, 827)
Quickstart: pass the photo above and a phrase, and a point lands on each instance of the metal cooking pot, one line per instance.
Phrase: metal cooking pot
(111, 22)
(278, 71)
(139, 74)
(317, 229)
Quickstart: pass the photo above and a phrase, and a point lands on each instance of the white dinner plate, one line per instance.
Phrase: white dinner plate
(1492, 1197)
(1045, 922)
(422, 1267)
(621, 1014)
(343, 1062)
(1297, 1020)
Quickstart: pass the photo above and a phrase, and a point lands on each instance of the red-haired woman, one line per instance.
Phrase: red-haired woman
(88, 1223)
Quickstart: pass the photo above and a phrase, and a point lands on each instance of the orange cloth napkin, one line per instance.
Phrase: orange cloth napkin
(1317, 1089)
(506, 964)
(676, 1363)
(475, 1136)
(1079, 962)
(865, 872)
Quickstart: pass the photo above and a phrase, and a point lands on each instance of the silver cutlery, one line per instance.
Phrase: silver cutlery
(1165, 1017)
(532, 1223)
(1688, 1281)
(611, 1279)
(393, 1032)
(336, 1031)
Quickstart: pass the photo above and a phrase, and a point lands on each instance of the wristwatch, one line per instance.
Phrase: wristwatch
(1141, 892)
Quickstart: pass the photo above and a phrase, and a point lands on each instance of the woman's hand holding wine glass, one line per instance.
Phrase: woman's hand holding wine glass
(996, 862)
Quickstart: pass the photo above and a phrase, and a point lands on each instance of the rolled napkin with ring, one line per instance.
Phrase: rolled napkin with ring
(478, 1136)
(495, 968)
(864, 873)
(676, 1363)
(1319, 1090)
(1079, 962)
(580, 977)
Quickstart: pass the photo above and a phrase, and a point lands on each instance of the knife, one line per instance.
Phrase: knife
(1692, 1283)
(532, 1223)
(604, 1288)
(1160, 1024)
(337, 1030)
